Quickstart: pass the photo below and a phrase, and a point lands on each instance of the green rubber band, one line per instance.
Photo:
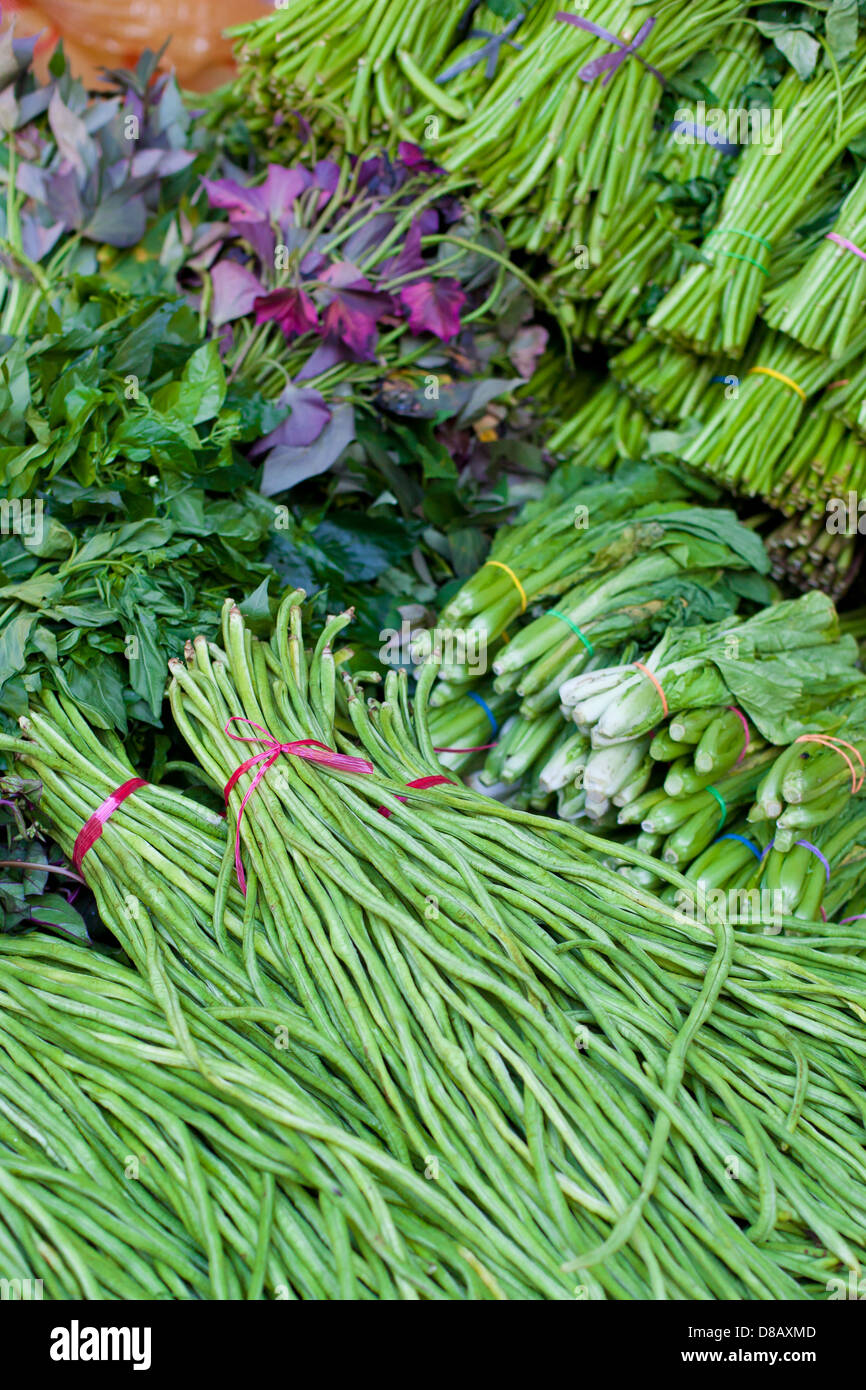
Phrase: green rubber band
(555, 613)
(737, 231)
(750, 260)
(721, 801)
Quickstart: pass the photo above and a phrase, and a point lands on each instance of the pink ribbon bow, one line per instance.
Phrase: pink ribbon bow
(308, 748)
(609, 62)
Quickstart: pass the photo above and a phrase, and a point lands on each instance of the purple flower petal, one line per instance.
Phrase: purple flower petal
(293, 310)
(235, 291)
(434, 306)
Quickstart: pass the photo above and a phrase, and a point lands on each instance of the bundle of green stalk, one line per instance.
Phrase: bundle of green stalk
(461, 982)
(847, 400)
(802, 841)
(265, 1152)
(744, 433)
(736, 697)
(542, 137)
(822, 307)
(679, 566)
(605, 429)
(807, 555)
(667, 383)
(568, 531)
(714, 306)
(256, 1142)
(646, 242)
(356, 70)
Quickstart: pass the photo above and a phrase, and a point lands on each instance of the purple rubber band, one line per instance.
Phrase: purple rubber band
(848, 245)
(609, 62)
(807, 844)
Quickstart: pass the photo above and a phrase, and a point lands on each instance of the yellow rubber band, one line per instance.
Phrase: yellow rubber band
(779, 376)
(512, 576)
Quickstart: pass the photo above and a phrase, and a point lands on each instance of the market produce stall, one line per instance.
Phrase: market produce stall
(432, 686)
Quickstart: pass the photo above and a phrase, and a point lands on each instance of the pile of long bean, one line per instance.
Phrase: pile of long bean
(610, 1097)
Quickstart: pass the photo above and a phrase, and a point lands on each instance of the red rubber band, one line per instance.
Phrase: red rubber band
(92, 828)
(419, 782)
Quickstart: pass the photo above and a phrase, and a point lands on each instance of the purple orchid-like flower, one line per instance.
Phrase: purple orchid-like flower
(292, 309)
(353, 307)
(434, 306)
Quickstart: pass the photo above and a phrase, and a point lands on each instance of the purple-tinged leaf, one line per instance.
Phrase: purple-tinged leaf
(31, 181)
(326, 176)
(33, 104)
(159, 163)
(36, 240)
(9, 113)
(235, 291)
(368, 235)
(286, 467)
(526, 347)
(415, 159)
(434, 306)
(62, 199)
(309, 416)
(70, 132)
(328, 354)
(353, 307)
(407, 259)
(118, 220)
(292, 309)
(259, 237)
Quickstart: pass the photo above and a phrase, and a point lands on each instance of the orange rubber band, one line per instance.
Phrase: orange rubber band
(511, 575)
(838, 744)
(640, 666)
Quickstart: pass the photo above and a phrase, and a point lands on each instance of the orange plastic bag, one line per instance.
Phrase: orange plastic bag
(108, 33)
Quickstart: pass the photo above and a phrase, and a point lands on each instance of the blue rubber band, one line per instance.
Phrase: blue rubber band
(743, 841)
(487, 710)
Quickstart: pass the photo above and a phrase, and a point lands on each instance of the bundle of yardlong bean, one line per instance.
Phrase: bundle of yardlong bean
(494, 1003)
(585, 1058)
